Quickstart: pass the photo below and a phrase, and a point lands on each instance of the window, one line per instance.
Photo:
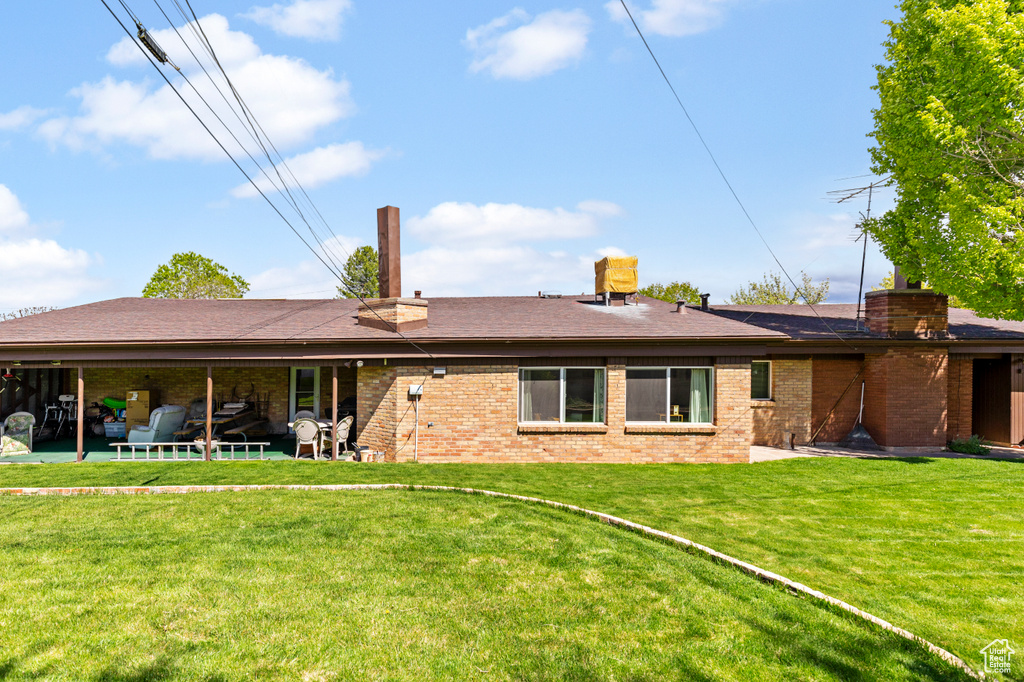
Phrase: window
(761, 380)
(562, 394)
(669, 394)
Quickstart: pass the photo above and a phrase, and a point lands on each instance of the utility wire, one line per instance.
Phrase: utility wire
(320, 253)
(725, 179)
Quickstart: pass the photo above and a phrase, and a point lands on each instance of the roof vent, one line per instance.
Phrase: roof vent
(704, 302)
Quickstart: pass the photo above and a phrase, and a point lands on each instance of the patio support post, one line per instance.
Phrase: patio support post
(81, 414)
(334, 415)
(209, 411)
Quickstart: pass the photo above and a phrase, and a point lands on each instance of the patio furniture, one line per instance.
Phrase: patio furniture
(308, 433)
(196, 413)
(164, 423)
(16, 434)
(304, 414)
(344, 426)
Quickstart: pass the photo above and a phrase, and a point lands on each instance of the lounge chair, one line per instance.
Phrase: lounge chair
(163, 422)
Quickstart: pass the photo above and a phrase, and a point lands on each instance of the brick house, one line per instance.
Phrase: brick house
(546, 379)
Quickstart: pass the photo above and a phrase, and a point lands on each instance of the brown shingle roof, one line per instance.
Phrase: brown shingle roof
(144, 320)
(800, 322)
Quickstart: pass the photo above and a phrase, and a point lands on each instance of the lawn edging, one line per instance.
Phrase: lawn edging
(762, 574)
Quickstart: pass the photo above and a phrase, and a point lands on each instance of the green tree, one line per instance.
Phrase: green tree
(359, 275)
(774, 290)
(672, 292)
(189, 275)
(950, 135)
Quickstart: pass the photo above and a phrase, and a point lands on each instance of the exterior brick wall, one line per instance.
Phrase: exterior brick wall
(905, 404)
(789, 410)
(474, 412)
(831, 375)
(961, 397)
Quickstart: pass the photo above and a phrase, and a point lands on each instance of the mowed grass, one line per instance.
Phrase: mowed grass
(932, 545)
(306, 585)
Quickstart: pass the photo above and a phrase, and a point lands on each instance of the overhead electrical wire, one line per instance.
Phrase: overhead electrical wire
(725, 179)
(324, 237)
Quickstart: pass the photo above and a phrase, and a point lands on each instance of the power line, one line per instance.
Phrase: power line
(323, 252)
(725, 179)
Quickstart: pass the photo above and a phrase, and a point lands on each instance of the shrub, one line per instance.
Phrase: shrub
(970, 446)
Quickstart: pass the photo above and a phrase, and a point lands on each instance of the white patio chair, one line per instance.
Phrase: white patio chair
(304, 414)
(344, 426)
(308, 432)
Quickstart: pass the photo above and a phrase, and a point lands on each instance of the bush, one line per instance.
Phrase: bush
(970, 446)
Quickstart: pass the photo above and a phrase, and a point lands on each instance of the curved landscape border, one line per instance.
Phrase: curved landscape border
(767, 576)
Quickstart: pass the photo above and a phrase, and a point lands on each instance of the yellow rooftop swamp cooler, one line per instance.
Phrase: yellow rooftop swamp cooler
(615, 280)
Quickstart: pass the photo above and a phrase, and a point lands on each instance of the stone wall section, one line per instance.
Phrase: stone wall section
(789, 409)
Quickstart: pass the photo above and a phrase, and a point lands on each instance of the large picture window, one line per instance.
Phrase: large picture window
(669, 394)
(562, 394)
(761, 380)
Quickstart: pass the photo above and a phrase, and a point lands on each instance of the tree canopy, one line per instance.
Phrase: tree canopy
(773, 289)
(950, 136)
(359, 276)
(672, 292)
(189, 275)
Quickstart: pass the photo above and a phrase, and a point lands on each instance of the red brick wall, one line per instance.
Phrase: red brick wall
(906, 400)
(961, 397)
(831, 376)
(473, 409)
(789, 410)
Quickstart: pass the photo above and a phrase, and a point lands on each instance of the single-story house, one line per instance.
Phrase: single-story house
(547, 378)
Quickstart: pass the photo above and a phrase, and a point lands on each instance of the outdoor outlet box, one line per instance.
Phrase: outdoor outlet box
(416, 389)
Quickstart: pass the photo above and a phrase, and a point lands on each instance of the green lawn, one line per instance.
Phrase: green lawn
(395, 585)
(932, 545)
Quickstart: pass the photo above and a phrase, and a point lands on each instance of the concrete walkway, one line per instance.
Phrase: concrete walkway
(760, 453)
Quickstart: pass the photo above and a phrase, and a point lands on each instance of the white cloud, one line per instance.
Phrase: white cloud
(291, 99)
(305, 279)
(552, 41)
(312, 19)
(12, 213)
(463, 223)
(673, 18)
(20, 118)
(320, 166)
(37, 271)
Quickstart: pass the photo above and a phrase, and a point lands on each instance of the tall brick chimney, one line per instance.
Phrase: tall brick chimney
(389, 253)
(391, 312)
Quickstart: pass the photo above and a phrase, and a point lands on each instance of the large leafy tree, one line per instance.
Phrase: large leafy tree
(672, 292)
(950, 135)
(359, 276)
(773, 289)
(189, 275)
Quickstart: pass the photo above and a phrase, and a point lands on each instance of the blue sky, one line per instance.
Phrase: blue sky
(521, 141)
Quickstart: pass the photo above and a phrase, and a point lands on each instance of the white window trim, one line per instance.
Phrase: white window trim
(561, 395)
(668, 395)
(291, 391)
(771, 393)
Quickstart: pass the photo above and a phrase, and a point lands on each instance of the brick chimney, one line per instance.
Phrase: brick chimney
(907, 313)
(389, 253)
(391, 312)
